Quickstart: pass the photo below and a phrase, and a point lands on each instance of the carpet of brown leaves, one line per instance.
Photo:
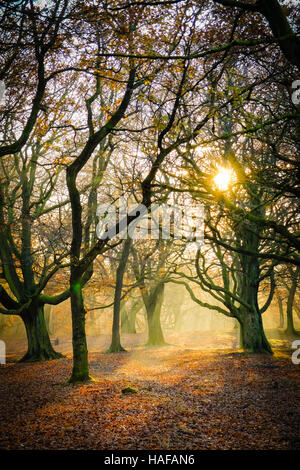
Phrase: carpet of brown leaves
(187, 399)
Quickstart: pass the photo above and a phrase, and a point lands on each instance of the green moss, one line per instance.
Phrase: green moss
(129, 390)
(76, 287)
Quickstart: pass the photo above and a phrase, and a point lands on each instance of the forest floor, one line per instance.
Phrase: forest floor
(187, 398)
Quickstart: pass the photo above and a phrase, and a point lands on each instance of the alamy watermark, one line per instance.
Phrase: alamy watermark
(296, 93)
(122, 220)
(296, 354)
(2, 352)
(2, 91)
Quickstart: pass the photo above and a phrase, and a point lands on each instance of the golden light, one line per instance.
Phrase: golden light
(223, 179)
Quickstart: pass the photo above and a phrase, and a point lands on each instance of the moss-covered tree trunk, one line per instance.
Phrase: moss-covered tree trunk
(128, 316)
(153, 309)
(290, 328)
(124, 317)
(253, 338)
(116, 341)
(80, 372)
(131, 316)
(281, 315)
(39, 344)
(177, 314)
(83, 267)
(47, 314)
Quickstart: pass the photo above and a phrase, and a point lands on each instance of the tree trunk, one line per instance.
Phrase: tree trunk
(124, 317)
(290, 329)
(39, 344)
(80, 372)
(176, 308)
(287, 39)
(131, 315)
(153, 309)
(47, 315)
(281, 315)
(115, 341)
(253, 338)
(128, 317)
(177, 319)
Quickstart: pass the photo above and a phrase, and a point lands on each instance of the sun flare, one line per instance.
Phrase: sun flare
(223, 179)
